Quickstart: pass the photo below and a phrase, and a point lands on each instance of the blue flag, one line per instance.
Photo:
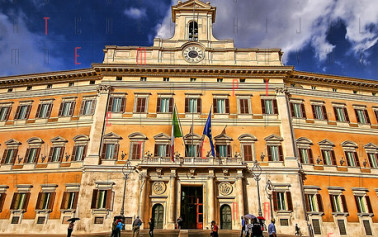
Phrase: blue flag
(207, 132)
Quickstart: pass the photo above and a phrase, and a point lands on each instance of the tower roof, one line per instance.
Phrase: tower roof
(197, 5)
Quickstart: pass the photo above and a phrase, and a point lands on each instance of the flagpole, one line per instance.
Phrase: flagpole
(178, 119)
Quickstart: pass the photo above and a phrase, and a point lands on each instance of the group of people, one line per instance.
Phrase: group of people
(256, 228)
(118, 226)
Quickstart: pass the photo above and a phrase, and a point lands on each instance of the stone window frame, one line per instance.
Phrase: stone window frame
(371, 148)
(345, 111)
(8, 105)
(162, 139)
(57, 141)
(70, 99)
(23, 189)
(363, 192)
(11, 144)
(137, 138)
(223, 140)
(264, 97)
(80, 140)
(110, 138)
(46, 188)
(171, 103)
(338, 191)
(324, 109)
(366, 114)
(248, 98)
(145, 95)
(70, 188)
(327, 145)
(221, 96)
(34, 142)
(274, 140)
(123, 97)
(103, 186)
(302, 108)
(28, 103)
(3, 195)
(350, 146)
(305, 143)
(197, 96)
(194, 140)
(283, 188)
(50, 102)
(314, 190)
(248, 140)
(92, 98)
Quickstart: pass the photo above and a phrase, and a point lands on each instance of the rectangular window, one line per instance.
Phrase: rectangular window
(5, 112)
(329, 157)
(44, 110)
(136, 151)
(9, 156)
(363, 204)
(305, 155)
(373, 160)
(166, 79)
(342, 228)
(367, 227)
(316, 225)
(45, 201)
(298, 110)
(275, 153)
(32, 155)
(314, 203)
(66, 109)
(2, 200)
(362, 116)
(117, 104)
(191, 150)
(221, 106)
(192, 105)
(341, 114)
(141, 105)
(79, 153)
(143, 79)
(338, 203)
(56, 154)
(23, 112)
(244, 107)
(162, 150)
(164, 105)
(352, 159)
(282, 201)
(319, 112)
(69, 200)
(102, 199)
(269, 106)
(110, 151)
(223, 150)
(247, 152)
(20, 201)
(87, 107)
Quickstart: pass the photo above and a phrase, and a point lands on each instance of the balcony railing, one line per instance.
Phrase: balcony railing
(193, 160)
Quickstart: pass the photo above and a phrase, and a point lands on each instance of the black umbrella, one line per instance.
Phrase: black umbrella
(73, 219)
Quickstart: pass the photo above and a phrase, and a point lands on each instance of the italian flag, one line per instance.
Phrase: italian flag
(176, 132)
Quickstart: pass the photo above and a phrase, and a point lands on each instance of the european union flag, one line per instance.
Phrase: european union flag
(207, 132)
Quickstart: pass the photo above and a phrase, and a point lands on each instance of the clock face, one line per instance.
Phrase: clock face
(193, 54)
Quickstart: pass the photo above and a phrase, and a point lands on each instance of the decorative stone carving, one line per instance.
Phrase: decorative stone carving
(225, 188)
(103, 89)
(159, 187)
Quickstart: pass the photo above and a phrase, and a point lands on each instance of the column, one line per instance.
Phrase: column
(98, 126)
(142, 199)
(172, 198)
(239, 196)
(211, 203)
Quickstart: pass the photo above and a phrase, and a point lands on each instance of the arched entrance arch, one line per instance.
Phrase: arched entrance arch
(158, 215)
(225, 217)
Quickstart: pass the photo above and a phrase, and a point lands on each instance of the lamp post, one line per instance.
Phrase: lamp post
(126, 171)
(256, 172)
(268, 190)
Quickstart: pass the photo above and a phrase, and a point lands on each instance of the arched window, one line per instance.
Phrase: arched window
(193, 31)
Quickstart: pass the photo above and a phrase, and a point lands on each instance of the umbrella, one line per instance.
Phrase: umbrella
(73, 219)
(250, 216)
(261, 218)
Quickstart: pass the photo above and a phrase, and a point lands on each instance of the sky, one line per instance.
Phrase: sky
(336, 37)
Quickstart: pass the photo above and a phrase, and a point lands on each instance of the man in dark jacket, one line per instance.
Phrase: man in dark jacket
(256, 229)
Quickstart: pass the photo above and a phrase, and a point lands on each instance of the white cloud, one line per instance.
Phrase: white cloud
(291, 24)
(135, 13)
(21, 51)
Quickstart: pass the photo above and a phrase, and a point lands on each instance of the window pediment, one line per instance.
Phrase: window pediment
(304, 141)
(349, 144)
(137, 136)
(12, 142)
(223, 137)
(81, 138)
(112, 135)
(35, 140)
(273, 138)
(326, 142)
(371, 146)
(58, 139)
(162, 137)
(247, 138)
(192, 136)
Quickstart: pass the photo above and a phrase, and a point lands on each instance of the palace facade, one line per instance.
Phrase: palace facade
(69, 138)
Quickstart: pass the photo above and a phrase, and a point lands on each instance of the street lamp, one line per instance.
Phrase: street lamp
(268, 190)
(126, 171)
(256, 172)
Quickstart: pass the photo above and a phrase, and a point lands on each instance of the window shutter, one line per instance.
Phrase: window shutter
(60, 109)
(345, 207)
(84, 152)
(311, 158)
(332, 204)
(358, 206)
(346, 115)
(275, 202)
(73, 155)
(367, 116)
(247, 152)
(94, 199)
(171, 105)
(37, 155)
(16, 116)
(313, 111)
(27, 198)
(263, 106)
(61, 154)
(186, 105)
(156, 151)
(123, 104)
(50, 154)
(4, 156)
(167, 151)
(229, 151)
(116, 150)
(289, 202)
(368, 203)
(356, 159)
(51, 201)
(103, 152)
(28, 112)
(82, 107)
(275, 107)
(2, 200)
(215, 106)
(303, 111)
(292, 110)
(280, 153)
(38, 110)
(333, 157)
(158, 107)
(307, 203)
(217, 151)
(110, 104)
(109, 199)
(199, 105)
(269, 153)
(72, 109)
(14, 199)
(14, 156)
(346, 158)
(26, 155)
(300, 156)
(64, 205)
(8, 113)
(336, 116)
(320, 202)
(358, 118)
(227, 102)
(76, 196)
(49, 110)
(324, 112)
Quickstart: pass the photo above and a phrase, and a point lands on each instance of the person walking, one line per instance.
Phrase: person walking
(70, 228)
(136, 226)
(180, 221)
(256, 229)
(214, 229)
(152, 226)
(119, 227)
(114, 228)
(272, 228)
(243, 226)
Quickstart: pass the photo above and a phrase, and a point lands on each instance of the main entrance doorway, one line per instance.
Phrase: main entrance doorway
(192, 207)
(226, 218)
(158, 215)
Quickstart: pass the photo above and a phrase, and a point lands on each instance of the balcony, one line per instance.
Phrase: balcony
(192, 162)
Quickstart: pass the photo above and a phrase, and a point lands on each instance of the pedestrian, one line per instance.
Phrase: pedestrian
(243, 226)
(114, 228)
(256, 229)
(136, 226)
(272, 228)
(180, 222)
(249, 229)
(214, 229)
(152, 226)
(70, 228)
(119, 227)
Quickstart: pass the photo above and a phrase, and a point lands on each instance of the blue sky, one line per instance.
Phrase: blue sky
(324, 36)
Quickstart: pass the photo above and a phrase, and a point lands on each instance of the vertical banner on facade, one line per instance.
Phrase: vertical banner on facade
(234, 211)
(266, 211)
(141, 56)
